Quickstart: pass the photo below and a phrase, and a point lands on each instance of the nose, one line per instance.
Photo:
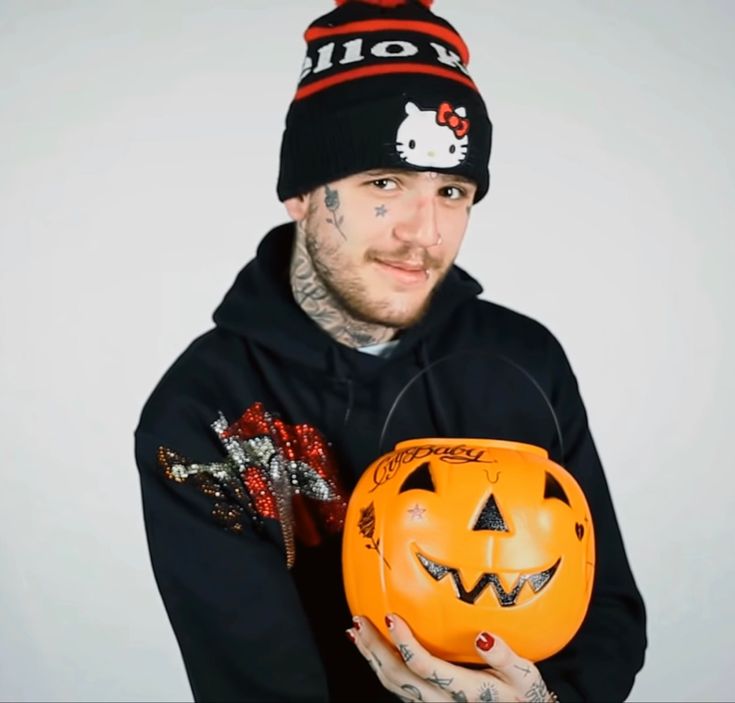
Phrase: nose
(419, 226)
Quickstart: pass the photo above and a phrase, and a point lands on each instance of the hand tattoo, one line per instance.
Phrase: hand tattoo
(435, 679)
(412, 691)
(406, 653)
(488, 693)
(538, 693)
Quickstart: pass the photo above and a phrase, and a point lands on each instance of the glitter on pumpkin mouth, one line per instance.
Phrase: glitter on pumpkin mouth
(537, 581)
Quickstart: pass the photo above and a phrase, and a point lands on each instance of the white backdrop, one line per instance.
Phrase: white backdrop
(138, 161)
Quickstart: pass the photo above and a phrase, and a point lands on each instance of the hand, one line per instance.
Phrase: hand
(406, 669)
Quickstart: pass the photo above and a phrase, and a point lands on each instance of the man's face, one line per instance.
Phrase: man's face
(381, 241)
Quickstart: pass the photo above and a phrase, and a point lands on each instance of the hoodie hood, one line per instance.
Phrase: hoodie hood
(261, 308)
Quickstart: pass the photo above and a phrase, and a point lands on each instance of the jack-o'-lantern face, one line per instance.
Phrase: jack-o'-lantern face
(457, 536)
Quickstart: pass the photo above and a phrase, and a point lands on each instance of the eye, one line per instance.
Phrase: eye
(453, 193)
(419, 479)
(452, 149)
(490, 517)
(412, 144)
(384, 183)
(553, 489)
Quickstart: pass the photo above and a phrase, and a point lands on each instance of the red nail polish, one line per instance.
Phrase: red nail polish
(350, 636)
(389, 622)
(485, 642)
(357, 623)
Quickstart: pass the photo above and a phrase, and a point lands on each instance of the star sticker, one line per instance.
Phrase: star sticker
(380, 211)
(417, 512)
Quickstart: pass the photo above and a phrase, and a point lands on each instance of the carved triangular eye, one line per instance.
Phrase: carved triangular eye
(490, 518)
(419, 479)
(554, 489)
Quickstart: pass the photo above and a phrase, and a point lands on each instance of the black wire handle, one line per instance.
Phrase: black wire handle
(494, 355)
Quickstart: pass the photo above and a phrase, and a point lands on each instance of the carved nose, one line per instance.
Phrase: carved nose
(490, 518)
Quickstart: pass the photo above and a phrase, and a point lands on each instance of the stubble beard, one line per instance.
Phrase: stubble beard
(353, 296)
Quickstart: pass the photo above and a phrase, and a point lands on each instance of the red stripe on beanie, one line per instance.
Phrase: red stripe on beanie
(386, 3)
(435, 30)
(367, 71)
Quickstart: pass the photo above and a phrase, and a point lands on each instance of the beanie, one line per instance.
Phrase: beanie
(384, 85)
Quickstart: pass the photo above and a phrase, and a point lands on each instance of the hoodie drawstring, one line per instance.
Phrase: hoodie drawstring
(342, 377)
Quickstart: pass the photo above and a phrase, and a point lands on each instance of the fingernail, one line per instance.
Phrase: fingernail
(350, 636)
(356, 620)
(485, 642)
(389, 622)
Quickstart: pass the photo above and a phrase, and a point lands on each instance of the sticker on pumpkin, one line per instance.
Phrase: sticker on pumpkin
(366, 525)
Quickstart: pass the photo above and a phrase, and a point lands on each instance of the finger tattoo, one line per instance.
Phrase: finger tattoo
(538, 693)
(488, 693)
(437, 680)
(525, 669)
(406, 653)
(412, 691)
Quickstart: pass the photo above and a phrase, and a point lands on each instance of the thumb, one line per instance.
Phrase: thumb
(496, 652)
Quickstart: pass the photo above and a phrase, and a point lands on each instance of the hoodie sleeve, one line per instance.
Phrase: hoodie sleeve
(231, 601)
(601, 661)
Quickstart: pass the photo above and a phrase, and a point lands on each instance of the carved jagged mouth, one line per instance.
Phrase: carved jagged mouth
(537, 582)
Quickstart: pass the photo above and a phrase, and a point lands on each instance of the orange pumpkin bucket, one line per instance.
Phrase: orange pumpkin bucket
(462, 535)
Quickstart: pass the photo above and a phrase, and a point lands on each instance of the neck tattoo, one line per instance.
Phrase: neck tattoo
(320, 304)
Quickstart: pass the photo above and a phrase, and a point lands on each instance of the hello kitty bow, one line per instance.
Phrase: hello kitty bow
(445, 115)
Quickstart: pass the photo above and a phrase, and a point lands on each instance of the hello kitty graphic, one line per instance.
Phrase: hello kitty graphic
(433, 137)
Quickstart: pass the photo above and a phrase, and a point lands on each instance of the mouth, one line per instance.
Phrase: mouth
(404, 271)
(537, 581)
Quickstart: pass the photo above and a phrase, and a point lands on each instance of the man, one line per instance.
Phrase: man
(351, 330)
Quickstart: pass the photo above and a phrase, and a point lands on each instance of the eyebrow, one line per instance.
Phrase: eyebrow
(414, 174)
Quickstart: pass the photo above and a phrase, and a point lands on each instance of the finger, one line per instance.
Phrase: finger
(517, 671)
(453, 681)
(388, 665)
(373, 661)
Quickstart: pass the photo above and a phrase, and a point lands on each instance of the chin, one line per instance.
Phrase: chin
(397, 317)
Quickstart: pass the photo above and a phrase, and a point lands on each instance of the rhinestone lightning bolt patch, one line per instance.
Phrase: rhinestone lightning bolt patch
(269, 465)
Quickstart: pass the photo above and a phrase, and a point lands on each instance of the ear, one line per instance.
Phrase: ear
(461, 111)
(297, 207)
(411, 108)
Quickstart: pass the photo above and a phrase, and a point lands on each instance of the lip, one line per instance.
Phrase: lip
(411, 274)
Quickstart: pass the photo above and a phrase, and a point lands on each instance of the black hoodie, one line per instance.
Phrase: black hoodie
(250, 629)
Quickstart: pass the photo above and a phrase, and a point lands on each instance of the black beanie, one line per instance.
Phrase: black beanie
(384, 85)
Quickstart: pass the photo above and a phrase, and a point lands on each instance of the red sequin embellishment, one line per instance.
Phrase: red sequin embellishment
(273, 470)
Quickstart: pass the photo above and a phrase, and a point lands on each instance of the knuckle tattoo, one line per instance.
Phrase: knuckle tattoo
(488, 693)
(537, 693)
(439, 681)
(412, 691)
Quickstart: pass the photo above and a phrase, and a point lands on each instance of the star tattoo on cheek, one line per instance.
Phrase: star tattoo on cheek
(380, 210)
